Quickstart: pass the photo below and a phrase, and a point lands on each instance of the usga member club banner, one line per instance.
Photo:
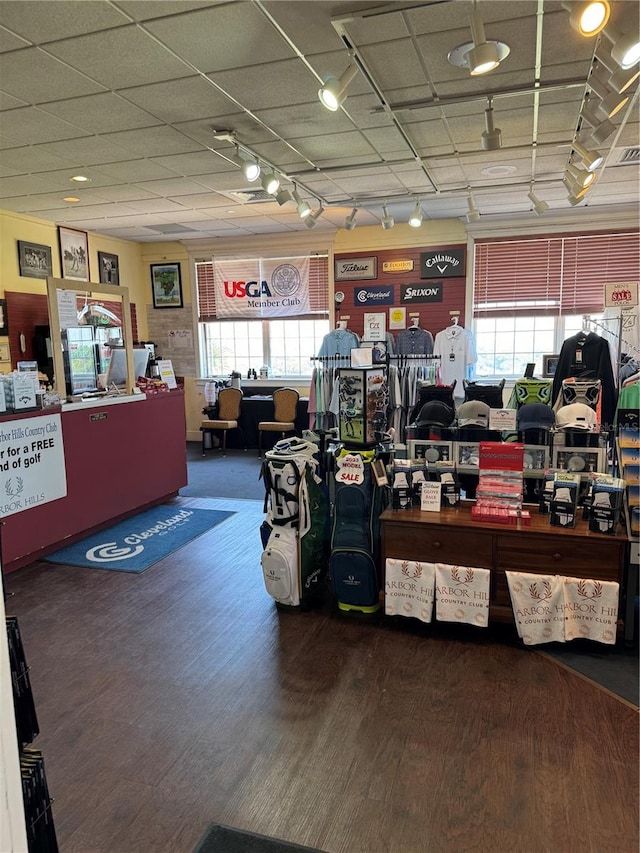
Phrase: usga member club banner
(262, 288)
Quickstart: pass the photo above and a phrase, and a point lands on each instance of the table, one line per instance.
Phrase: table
(258, 408)
(451, 536)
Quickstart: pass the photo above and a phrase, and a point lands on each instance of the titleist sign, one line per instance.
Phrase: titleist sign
(356, 269)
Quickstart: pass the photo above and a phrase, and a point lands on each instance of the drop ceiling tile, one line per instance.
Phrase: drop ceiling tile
(32, 159)
(154, 205)
(143, 10)
(89, 151)
(131, 171)
(155, 141)
(25, 185)
(187, 99)
(9, 41)
(270, 84)
(103, 113)
(35, 77)
(225, 36)
(302, 120)
(140, 59)
(8, 102)
(30, 126)
(172, 187)
(42, 21)
(199, 163)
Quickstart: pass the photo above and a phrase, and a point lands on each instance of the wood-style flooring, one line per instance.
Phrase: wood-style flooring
(182, 696)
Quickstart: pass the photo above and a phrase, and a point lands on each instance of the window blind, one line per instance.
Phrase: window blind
(563, 274)
(318, 287)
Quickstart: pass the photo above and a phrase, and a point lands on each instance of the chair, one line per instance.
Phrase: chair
(229, 403)
(285, 404)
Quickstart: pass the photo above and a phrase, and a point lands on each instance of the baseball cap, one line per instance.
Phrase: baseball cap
(576, 416)
(535, 416)
(474, 413)
(435, 412)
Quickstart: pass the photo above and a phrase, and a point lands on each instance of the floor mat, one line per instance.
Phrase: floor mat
(140, 541)
(224, 839)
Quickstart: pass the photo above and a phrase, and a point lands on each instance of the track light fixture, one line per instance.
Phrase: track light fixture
(619, 79)
(270, 182)
(483, 57)
(312, 219)
(539, 206)
(592, 159)
(283, 196)
(350, 221)
(492, 136)
(333, 94)
(625, 47)
(250, 168)
(580, 177)
(610, 102)
(387, 219)
(415, 220)
(588, 18)
(602, 130)
(473, 214)
(302, 207)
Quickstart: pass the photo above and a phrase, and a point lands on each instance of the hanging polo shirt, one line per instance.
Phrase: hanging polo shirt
(455, 347)
(414, 341)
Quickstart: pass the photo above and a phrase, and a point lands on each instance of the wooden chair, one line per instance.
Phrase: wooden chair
(285, 403)
(229, 404)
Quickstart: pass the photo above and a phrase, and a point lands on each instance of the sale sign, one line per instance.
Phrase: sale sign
(621, 295)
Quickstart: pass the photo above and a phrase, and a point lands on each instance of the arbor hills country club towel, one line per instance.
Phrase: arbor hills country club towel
(590, 609)
(462, 594)
(538, 607)
(408, 589)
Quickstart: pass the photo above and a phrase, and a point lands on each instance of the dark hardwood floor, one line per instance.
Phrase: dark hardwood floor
(181, 696)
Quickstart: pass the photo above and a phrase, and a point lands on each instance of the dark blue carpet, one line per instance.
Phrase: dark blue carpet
(140, 541)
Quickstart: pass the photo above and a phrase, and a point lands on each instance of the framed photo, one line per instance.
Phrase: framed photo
(4, 325)
(74, 253)
(549, 365)
(166, 285)
(108, 268)
(34, 259)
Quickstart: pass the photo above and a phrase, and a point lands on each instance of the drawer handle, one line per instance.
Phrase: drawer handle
(557, 556)
(437, 544)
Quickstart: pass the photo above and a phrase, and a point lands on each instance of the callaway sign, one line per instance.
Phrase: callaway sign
(442, 263)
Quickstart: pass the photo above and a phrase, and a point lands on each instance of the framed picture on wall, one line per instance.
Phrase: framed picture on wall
(34, 260)
(4, 325)
(74, 253)
(108, 268)
(166, 285)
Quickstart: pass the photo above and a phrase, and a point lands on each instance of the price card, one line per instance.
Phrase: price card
(430, 496)
(502, 419)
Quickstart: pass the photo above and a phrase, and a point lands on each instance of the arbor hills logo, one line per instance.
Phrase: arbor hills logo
(545, 593)
(413, 573)
(583, 590)
(468, 575)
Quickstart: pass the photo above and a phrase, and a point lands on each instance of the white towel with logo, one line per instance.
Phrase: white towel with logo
(408, 589)
(590, 609)
(462, 594)
(538, 607)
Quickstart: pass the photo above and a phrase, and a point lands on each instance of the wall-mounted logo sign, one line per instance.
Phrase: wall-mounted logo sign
(373, 296)
(355, 269)
(419, 293)
(623, 295)
(397, 266)
(442, 263)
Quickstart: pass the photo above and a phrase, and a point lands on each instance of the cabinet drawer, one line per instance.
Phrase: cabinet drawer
(581, 557)
(434, 544)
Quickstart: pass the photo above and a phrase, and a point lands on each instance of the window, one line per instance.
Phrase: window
(530, 294)
(286, 345)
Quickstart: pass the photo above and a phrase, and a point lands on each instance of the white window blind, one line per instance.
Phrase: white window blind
(560, 274)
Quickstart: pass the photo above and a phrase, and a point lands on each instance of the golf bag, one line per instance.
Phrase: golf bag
(294, 533)
(354, 559)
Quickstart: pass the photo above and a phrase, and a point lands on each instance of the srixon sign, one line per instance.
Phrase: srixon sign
(421, 293)
(442, 263)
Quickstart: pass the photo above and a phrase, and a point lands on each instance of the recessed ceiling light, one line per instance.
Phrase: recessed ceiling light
(80, 179)
(498, 171)
(72, 199)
